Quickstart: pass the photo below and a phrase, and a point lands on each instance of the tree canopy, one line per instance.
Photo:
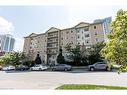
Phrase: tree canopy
(14, 58)
(115, 50)
(75, 53)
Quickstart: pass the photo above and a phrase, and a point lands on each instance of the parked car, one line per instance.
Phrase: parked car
(22, 68)
(0, 67)
(8, 68)
(39, 67)
(62, 67)
(99, 66)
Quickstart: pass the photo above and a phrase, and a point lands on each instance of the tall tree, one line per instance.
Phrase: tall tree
(14, 58)
(60, 57)
(38, 59)
(75, 53)
(115, 50)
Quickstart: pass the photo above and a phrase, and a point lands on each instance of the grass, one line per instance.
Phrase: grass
(89, 87)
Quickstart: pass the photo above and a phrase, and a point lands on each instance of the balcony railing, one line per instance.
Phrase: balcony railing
(53, 36)
(52, 52)
(52, 41)
(52, 47)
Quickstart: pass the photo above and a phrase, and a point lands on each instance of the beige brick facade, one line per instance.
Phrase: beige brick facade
(48, 44)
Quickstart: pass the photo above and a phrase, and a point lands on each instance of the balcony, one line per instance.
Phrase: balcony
(51, 47)
(52, 41)
(52, 52)
(53, 35)
(56, 36)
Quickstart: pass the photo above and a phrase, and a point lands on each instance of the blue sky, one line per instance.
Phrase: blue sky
(21, 21)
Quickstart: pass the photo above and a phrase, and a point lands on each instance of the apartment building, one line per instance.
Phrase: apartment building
(48, 44)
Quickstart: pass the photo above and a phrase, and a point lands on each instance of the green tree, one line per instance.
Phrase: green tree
(75, 53)
(115, 50)
(5, 60)
(60, 57)
(38, 59)
(16, 58)
(12, 58)
(94, 52)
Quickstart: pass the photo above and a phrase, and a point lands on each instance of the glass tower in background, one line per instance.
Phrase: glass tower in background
(6, 43)
(106, 26)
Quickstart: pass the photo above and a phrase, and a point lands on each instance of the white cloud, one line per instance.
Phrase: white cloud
(6, 27)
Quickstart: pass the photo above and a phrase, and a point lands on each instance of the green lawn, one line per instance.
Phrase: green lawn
(89, 87)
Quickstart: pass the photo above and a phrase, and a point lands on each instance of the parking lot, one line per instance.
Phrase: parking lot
(53, 79)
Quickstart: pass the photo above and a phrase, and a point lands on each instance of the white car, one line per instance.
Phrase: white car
(39, 68)
(8, 68)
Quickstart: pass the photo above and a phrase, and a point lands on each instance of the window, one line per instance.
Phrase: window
(67, 32)
(96, 39)
(62, 38)
(87, 35)
(94, 27)
(96, 33)
(87, 41)
(71, 31)
(78, 36)
(82, 37)
(56, 39)
(86, 29)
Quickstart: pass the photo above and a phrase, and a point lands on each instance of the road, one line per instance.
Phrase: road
(51, 80)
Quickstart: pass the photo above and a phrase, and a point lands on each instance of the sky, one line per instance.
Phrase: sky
(21, 21)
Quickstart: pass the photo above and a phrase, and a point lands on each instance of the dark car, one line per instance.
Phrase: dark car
(62, 67)
(22, 68)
